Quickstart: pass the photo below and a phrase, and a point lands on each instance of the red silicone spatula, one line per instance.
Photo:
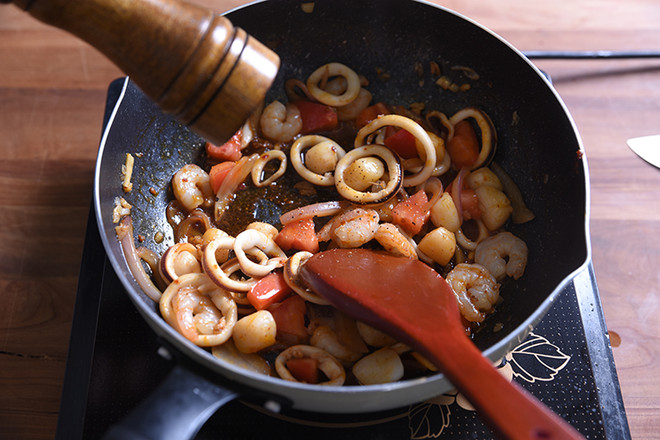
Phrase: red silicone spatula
(412, 302)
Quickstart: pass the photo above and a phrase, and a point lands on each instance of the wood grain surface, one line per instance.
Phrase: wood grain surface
(52, 97)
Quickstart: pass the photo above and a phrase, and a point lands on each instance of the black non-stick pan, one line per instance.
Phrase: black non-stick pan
(386, 41)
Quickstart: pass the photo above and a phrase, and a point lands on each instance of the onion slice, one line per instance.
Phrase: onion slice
(521, 213)
(235, 177)
(124, 233)
(456, 190)
(321, 209)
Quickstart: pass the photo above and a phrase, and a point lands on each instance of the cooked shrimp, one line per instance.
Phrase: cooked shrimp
(326, 339)
(395, 241)
(281, 123)
(351, 229)
(502, 254)
(351, 111)
(199, 310)
(191, 187)
(476, 290)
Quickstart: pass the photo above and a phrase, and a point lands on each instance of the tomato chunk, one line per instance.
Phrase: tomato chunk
(412, 214)
(304, 369)
(218, 173)
(463, 148)
(470, 204)
(403, 143)
(370, 113)
(269, 290)
(316, 117)
(300, 235)
(230, 150)
(290, 319)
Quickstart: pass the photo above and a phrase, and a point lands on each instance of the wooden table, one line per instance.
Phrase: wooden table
(52, 97)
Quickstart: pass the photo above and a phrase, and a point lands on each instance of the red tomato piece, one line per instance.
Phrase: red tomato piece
(463, 148)
(403, 143)
(218, 173)
(370, 113)
(300, 235)
(289, 316)
(470, 204)
(304, 369)
(316, 117)
(269, 290)
(230, 150)
(412, 214)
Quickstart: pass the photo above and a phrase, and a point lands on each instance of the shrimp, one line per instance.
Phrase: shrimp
(326, 339)
(502, 254)
(476, 290)
(351, 229)
(192, 187)
(394, 241)
(352, 110)
(281, 123)
(199, 310)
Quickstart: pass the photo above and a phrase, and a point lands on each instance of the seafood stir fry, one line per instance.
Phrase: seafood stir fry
(342, 170)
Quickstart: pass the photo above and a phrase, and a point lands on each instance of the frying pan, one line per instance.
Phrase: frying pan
(538, 145)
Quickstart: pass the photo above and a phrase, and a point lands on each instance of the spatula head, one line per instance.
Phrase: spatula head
(400, 296)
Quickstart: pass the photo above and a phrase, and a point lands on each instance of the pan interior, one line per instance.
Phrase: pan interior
(387, 42)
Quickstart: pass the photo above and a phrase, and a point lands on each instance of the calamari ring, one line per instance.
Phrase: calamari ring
(393, 168)
(470, 245)
(267, 229)
(428, 154)
(215, 272)
(171, 257)
(327, 71)
(251, 238)
(205, 287)
(447, 127)
(298, 162)
(330, 366)
(258, 167)
(291, 270)
(488, 133)
(230, 267)
(195, 224)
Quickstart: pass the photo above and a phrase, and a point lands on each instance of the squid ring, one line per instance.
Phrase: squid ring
(334, 69)
(204, 287)
(393, 168)
(447, 126)
(251, 238)
(258, 168)
(216, 273)
(428, 154)
(230, 267)
(173, 255)
(330, 366)
(468, 244)
(488, 133)
(297, 160)
(291, 270)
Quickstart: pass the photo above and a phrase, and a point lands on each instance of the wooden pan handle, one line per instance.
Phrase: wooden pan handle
(191, 61)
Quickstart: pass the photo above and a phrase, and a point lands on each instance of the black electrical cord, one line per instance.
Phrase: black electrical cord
(590, 54)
